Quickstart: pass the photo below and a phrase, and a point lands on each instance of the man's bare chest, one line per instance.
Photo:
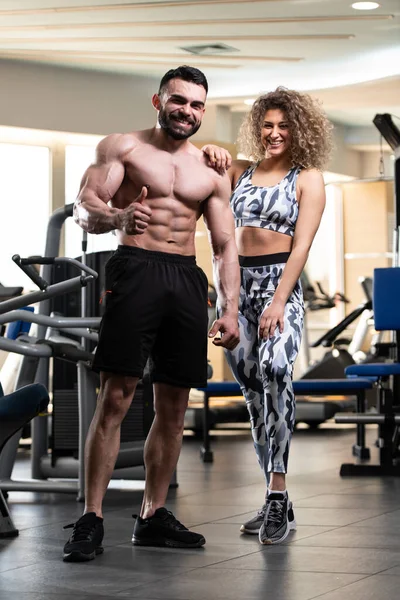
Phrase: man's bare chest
(184, 178)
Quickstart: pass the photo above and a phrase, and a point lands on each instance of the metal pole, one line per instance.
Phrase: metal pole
(82, 387)
(39, 425)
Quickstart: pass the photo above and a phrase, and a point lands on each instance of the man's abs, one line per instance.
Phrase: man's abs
(171, 228)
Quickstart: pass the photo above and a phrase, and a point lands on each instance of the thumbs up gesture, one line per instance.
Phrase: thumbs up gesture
(135, 217)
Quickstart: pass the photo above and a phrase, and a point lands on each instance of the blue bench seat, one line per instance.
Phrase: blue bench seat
(340, 387)
(354, 386)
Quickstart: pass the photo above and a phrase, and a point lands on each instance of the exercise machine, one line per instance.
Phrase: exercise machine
(343, 352)
(387, 318)
(16, 410)
(58, 440)
(33, 349)
(386, 414)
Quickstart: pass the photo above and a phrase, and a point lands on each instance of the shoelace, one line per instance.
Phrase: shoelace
(173, 521)
(80, 531)
(170, 519)
(275, 510)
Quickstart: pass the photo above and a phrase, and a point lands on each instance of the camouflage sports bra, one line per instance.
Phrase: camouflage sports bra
(274, 207)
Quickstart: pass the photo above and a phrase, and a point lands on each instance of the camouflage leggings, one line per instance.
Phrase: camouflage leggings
(264, 368)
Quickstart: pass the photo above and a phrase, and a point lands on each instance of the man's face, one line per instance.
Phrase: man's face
(181, 108)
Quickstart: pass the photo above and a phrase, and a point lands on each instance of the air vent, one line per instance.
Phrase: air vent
(210, 49)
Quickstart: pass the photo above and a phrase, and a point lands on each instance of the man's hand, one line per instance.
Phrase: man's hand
(218, 158)
(228, 326)
(135, 217)
(271, 318)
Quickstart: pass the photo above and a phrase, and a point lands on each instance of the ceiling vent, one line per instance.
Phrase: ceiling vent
(210, 49)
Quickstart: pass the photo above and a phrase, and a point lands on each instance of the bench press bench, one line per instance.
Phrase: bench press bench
(310, 387)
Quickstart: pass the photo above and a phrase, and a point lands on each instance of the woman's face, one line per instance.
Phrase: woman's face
(275, 132)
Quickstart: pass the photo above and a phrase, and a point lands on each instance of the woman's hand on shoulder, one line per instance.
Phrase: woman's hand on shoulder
(218, 158)
(221, 160)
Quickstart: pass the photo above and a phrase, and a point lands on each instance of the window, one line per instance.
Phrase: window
(25, 202)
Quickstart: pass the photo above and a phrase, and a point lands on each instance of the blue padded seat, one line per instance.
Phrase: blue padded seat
(300, 386)
(27, 401)
(330, 386)
(16, 409)
(222, 388)
(386, 296)
(373, 370)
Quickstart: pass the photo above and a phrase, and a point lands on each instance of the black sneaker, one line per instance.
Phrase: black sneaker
(162, 529)
(278, 520)
(253, 525)
(86, 538)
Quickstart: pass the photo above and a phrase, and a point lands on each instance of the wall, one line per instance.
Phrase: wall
(64, 99)
(367, 234)
(344, 159)
(216, 125)
(370, 164)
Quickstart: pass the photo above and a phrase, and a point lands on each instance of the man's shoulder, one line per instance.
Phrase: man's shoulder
(117, 145)
(191, 155)
(114, 146)
(192, 150)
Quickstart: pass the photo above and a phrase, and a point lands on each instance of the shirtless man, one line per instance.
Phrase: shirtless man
(151, 187)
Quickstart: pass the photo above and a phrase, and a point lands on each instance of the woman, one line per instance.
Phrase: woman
(277, 201)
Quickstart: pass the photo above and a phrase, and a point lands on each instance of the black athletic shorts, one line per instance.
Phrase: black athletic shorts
(156, 305)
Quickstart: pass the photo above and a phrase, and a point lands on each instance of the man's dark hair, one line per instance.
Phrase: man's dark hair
(186, 73)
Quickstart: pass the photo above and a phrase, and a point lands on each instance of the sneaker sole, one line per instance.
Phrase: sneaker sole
(77, 556)
(166, 543)
(249, 531)
(270, 542)
(292, 524)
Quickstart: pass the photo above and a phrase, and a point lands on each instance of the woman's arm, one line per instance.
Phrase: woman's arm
(311, 207)
(221, 160)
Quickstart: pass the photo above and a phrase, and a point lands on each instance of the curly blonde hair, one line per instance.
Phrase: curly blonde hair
(311, 131)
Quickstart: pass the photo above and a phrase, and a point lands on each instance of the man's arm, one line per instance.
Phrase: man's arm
(219, 221)
(100, 183)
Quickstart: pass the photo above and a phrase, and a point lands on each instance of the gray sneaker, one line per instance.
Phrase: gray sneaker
(252, 527)
(278, 520)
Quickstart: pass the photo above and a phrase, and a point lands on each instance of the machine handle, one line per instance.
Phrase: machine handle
(37, 260)
(25, 264)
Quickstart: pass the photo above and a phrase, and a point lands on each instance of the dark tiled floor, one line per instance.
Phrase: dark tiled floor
(347, 542)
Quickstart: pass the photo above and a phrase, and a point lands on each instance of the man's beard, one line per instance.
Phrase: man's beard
(173, 128)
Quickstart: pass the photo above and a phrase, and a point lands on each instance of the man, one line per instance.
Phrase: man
(151, 187)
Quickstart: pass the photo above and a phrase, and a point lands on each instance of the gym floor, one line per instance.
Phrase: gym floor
(347, 543)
